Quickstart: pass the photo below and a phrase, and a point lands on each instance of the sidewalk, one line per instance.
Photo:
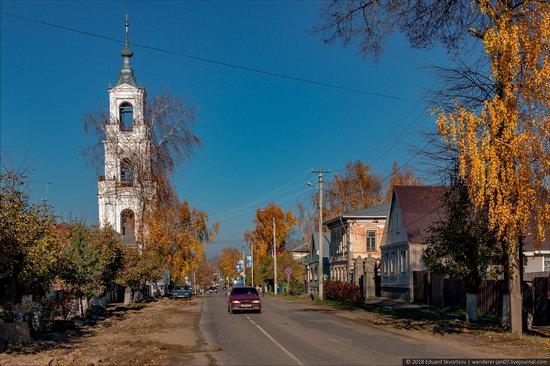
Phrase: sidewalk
(158, 333)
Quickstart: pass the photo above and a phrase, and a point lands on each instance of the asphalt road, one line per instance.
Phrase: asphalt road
(296, 334)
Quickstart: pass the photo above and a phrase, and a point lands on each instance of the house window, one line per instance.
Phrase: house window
(126, 117)
(385, 263)
(371, 240)
(335, 241)
(547, 263)
(525, 261)
(392, 262)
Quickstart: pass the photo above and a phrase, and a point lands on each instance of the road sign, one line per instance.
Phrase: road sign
(288, 271)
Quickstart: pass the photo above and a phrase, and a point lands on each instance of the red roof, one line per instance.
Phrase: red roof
(420, 206)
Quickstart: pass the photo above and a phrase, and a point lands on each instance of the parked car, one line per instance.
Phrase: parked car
(182, 292)
(244, 298)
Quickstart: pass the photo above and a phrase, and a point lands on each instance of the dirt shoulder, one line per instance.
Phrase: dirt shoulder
(422, 321)
(165, 332)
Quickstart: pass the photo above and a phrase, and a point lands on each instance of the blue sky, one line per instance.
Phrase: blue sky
(261, 134)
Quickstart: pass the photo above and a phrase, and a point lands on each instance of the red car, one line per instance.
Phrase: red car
(244, 298)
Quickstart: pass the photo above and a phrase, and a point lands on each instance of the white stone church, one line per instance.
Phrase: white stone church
(126, 189)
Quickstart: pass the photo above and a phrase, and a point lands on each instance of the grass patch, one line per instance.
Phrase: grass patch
(409, 316)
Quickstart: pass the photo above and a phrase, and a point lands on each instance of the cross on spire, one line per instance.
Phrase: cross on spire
(127, 25)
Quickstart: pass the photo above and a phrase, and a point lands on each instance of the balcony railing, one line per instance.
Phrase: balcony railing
(128, 239)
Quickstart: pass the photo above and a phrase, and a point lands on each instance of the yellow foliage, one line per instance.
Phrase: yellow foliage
(228, 261)
(262, 236)
(504, 149)
(357, 187)
(179, 233)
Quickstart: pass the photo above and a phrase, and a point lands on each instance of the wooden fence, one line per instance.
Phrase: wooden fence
(433, 290)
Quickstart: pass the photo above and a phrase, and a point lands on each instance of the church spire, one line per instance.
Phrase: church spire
(126, 73)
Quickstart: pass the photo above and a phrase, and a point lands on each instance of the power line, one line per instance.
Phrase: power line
(216, 62)
(254, 208)
(265, 197)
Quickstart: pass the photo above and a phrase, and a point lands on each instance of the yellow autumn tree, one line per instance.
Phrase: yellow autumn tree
(503, 149)
(261, 237)
(401, 177)
(355, 188)
(179, 233)
(228, 261)
(205, 272)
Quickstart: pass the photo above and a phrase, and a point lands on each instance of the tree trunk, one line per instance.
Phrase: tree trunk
(514, 289)
(127, 295)
(81, 308)
(471, 307)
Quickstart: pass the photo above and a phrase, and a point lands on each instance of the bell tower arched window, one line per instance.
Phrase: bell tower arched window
(126, 171)
(126, 116)
(127, 226)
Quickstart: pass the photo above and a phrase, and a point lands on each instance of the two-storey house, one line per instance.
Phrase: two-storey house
(353, 235)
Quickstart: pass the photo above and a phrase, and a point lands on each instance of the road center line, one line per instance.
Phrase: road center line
(277, 343)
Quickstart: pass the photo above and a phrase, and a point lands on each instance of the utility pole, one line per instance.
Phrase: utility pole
(320, 273)
(244, 269)
(252, 262)
(274, 258)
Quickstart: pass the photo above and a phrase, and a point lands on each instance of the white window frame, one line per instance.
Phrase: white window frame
(368, 238)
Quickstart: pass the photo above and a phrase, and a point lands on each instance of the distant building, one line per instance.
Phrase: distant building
(125, 189)
(298, 249)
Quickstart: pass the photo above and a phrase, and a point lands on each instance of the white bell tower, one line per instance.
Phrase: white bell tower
(126, 190)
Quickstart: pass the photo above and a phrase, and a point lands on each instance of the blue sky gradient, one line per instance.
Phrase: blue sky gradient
(260, 133)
